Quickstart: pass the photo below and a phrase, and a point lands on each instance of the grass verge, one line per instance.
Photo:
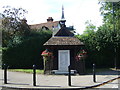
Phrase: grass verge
(38, 71)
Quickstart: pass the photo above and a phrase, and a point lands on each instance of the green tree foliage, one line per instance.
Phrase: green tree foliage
(12, 18)
(111, 14)
(88, 37)
(101, 43)
(13, 26)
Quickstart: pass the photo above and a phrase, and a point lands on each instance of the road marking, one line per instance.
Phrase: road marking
(115, 86)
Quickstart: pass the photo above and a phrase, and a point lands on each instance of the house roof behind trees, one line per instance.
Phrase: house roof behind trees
(50, 24)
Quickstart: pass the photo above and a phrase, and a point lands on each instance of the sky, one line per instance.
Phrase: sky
(76, 12)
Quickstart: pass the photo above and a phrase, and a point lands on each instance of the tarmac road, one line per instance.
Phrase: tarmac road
(24, 80)
(113, 84)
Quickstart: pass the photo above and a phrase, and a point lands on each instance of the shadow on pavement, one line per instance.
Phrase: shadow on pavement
(46, 86)
(109, 72)
(17, 84)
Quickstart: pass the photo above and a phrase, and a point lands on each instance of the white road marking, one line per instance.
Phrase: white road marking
(115, 86)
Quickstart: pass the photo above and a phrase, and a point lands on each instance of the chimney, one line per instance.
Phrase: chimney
(50, 19)
(24, 20)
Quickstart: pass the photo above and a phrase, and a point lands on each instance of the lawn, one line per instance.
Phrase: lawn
(38, 71)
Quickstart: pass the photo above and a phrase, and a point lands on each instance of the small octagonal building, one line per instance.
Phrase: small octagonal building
(64, 47)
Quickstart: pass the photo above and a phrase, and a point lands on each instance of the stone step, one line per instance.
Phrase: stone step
(58, 72)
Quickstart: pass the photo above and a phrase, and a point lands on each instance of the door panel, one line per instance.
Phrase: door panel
(64, 60)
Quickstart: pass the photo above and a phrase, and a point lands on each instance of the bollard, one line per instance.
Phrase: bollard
(34, 75)
(5, 74)
(94, 74)
(69, 76)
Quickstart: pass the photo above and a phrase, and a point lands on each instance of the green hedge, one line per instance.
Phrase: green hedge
(27, 53)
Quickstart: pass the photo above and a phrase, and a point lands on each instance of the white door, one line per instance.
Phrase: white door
(64, 60)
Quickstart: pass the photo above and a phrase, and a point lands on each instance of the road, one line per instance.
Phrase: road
(24, 80)
(114, 84)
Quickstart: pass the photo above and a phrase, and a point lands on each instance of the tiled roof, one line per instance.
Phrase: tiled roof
(64, 32)
(63, 41)
(49, 25)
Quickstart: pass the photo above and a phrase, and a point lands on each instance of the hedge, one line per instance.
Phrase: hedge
(27, 53)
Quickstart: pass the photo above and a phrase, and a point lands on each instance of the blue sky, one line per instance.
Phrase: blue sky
(77, 12)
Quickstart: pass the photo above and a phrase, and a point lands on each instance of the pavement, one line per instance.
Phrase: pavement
(24, 81)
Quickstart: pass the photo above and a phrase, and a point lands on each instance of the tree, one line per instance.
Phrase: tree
(13, 25)
(111, 14)
(111, 18)
(12, 17)
(88, 37)
(102, 43)
(24, 46)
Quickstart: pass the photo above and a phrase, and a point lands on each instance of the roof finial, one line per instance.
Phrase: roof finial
(62, 21)
(62, 12)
